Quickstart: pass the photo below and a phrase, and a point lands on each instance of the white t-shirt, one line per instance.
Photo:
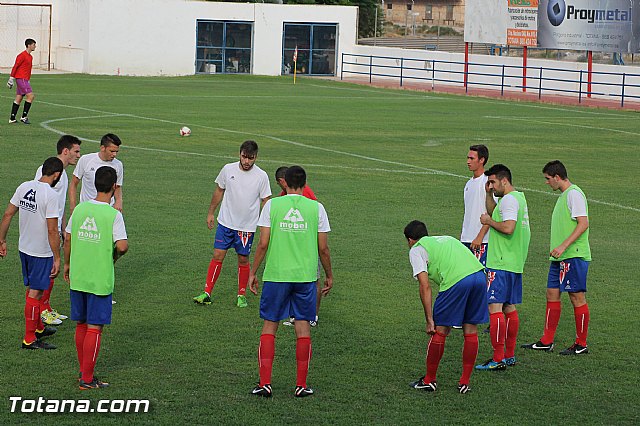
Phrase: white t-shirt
(86, 172)
(576, 203)
(323, 219)
(36, 202)
(475, 205)
(509, 208)
(61, 190)
(243, 192)
(119, 231)
(419, 259)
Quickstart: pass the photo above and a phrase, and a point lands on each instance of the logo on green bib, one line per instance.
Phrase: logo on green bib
(89, 231)
(293, 221)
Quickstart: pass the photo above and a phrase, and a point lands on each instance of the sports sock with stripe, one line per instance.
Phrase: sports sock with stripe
(498, 333)
(213, 273)
(469, 355)
(582, 317)
(551, 320)
(435, 350)
(90, 351)
(266, 353)
(303, 357)
(513, 324)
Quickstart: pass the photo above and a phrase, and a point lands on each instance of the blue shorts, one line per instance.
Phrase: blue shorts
(281, 300)
(481, 254)
(504, 287)
(90, 308)
(569, 275)
(464, 303)
(36, 271)
(226, 238)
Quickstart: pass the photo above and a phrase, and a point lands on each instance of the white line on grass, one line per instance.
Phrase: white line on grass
(46, 126)
(108, 114)
(346, 98)
(482, 100)
(580, 126)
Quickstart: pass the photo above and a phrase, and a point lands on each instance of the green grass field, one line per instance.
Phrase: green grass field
(376, 159)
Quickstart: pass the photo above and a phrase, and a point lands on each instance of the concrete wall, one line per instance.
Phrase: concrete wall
(487, 70)
(157, 37)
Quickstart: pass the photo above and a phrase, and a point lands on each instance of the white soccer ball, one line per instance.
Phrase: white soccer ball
(185, 131)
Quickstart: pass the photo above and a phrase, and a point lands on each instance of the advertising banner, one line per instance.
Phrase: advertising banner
(596, 25)
(486, 21)
(522, 27)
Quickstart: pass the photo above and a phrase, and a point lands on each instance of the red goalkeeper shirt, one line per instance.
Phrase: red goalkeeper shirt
(22, 67)
(306, 192)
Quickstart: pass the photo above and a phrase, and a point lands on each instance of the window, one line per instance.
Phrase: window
(316, 44)
(223, 47)
(449, 12)
(409, 6)
(389, 6)
(428, 12)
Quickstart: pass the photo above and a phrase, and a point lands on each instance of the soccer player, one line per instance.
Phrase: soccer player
(96, 238)
(86, 169)
(570, 256)
(306, 192)
(293, 233)
(21, 74)
(39, 245)
(461, 301)
(68, 148)
(507, 252)
(241, 189)
(475, 235)
(282, 183)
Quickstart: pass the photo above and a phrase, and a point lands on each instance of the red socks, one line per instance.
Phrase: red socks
(552, 318)
(81, 331)
(266, 353)
(435, 349)
(44, 300)
(513, 323)
(243, 278)
(469, 355)
(212, 275)
(31, 318)
(90, 350)
(581, 314)
(303, 356)
(498, 333)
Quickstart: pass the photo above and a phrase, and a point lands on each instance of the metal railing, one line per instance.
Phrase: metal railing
(604, 84)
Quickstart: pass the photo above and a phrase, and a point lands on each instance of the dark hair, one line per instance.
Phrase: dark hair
(250, 148)
(483, 152)
(295, 177)
(110, 139)
(555, 167)
(415, 230)
(500, 170)
(280, 172)
(105, 178)
(29, 41)
(52, 165)
(67, 141)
